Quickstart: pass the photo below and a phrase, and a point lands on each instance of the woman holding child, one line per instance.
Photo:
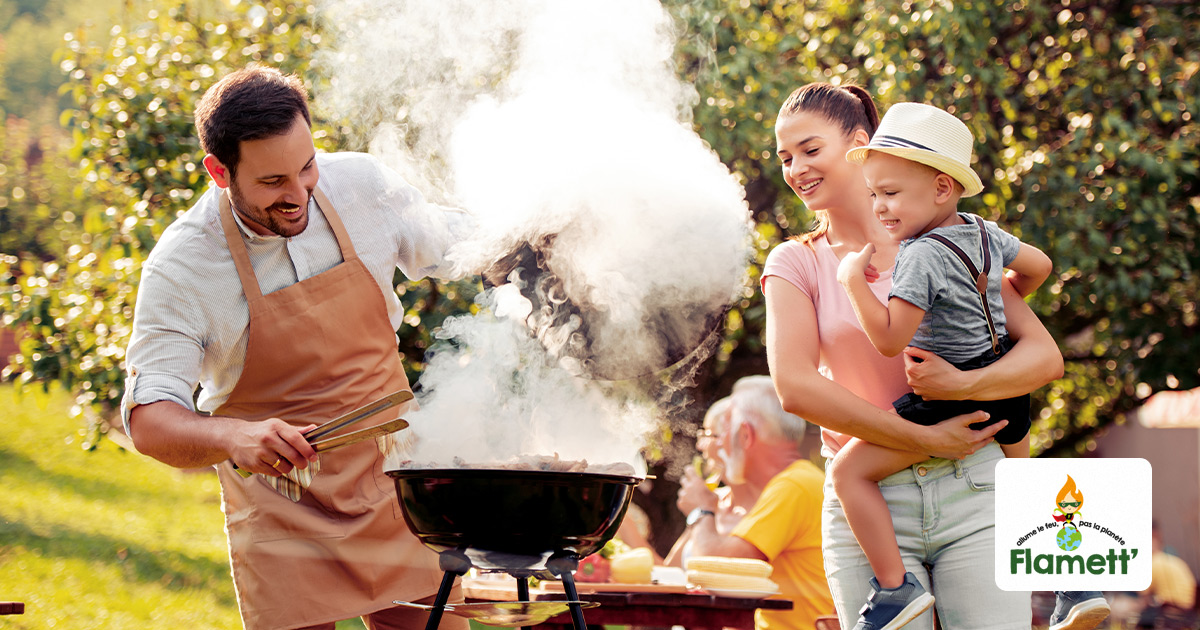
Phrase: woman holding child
(942, 508)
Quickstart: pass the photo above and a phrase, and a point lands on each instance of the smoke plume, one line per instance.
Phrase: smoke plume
(563, 128)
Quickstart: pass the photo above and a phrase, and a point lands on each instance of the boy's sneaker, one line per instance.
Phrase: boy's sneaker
(1078, 610)
(888, 609)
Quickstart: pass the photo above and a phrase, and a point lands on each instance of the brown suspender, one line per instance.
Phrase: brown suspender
(981, 278)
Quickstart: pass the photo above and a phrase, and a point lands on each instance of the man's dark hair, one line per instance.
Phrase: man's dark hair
(249, 104)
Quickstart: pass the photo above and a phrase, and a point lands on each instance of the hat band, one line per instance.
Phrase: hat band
(898, 142)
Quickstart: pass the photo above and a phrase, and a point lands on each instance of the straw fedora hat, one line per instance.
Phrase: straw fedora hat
(928, 135)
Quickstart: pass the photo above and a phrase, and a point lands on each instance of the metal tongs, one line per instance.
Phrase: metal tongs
(319, 436)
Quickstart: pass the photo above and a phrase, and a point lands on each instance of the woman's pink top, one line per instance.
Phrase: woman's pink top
(847, 356)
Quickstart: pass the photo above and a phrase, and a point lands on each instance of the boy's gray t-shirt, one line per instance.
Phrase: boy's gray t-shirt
(931, 277)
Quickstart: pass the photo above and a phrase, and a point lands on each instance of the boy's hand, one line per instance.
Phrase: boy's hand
(933, 378)
(857, 265)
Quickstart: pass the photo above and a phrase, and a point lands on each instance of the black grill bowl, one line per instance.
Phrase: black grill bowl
(512, 519)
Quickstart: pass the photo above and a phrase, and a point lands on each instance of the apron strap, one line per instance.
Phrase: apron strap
(237, 248)
(980, 277)
(335, 223)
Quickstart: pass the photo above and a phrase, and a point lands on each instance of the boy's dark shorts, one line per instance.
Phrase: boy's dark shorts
(929, 412)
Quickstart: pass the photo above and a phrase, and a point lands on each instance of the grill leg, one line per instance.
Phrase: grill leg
(439, 602)
(454, 563)
(564, 566)
(523, 594)
(576, 610)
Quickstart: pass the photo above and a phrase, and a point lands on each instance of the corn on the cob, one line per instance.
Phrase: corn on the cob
(748, 567)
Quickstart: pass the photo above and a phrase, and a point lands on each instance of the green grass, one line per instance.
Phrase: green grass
(107, 538)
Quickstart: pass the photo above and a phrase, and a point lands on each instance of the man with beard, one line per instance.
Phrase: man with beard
(274, 295)
(761, 450)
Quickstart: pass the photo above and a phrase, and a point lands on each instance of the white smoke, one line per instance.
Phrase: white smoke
(495, 397)
(548, 118)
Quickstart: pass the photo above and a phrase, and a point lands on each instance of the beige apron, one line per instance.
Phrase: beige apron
(317, 349)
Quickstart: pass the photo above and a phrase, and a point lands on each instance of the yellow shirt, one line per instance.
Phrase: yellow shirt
(785, 524)
(1171, 581)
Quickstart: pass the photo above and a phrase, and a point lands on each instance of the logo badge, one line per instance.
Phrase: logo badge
(1073, 524)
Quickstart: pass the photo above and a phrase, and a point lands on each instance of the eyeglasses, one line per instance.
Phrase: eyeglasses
(1067, 504)
(705, 433)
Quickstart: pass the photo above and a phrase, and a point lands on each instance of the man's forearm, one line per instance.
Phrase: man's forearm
(175, 435)
(178, 436)
(706, 541)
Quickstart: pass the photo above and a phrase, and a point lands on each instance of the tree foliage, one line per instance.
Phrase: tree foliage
(36, 190)
(30, 33)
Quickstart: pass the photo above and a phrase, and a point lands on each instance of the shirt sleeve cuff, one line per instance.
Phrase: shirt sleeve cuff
(140, 392)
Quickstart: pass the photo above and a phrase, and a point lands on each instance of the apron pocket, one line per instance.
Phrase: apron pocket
(276, 517)
(383, 483)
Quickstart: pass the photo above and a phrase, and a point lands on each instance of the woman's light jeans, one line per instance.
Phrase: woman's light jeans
(944, 515)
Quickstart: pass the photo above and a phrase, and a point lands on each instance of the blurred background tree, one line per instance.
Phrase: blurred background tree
(1084, 114)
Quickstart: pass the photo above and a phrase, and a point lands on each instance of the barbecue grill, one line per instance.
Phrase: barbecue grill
(526, 523)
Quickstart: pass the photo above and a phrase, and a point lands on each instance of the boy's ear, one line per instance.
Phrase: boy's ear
(945, 187)
(217, 171)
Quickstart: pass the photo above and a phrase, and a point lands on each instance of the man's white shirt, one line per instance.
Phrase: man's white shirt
(191, 318)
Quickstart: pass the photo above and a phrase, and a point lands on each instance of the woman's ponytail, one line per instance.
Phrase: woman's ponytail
(868, 105)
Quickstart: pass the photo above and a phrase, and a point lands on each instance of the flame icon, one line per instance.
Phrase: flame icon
(1070, 498)
(1066, 507)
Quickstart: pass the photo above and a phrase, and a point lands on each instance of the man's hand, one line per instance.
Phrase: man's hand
(271, 447)
(955, 439)
(180, 437)
(693, 493)
(857, 265)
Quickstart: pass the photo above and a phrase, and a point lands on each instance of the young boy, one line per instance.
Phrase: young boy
(945, 298)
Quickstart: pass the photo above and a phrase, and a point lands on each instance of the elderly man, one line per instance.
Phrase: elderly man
(783, 527)
(273, 295)
(696, 494)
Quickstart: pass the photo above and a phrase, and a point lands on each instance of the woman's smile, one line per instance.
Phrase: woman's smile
(809, 185)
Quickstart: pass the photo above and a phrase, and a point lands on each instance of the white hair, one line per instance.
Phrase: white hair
(757, 394)
(715, 411)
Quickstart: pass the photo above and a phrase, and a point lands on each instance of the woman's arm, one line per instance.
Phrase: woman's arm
(1034, 362)
(793, 352)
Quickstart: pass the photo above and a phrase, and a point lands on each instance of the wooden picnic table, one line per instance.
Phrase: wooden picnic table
(636, 604)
